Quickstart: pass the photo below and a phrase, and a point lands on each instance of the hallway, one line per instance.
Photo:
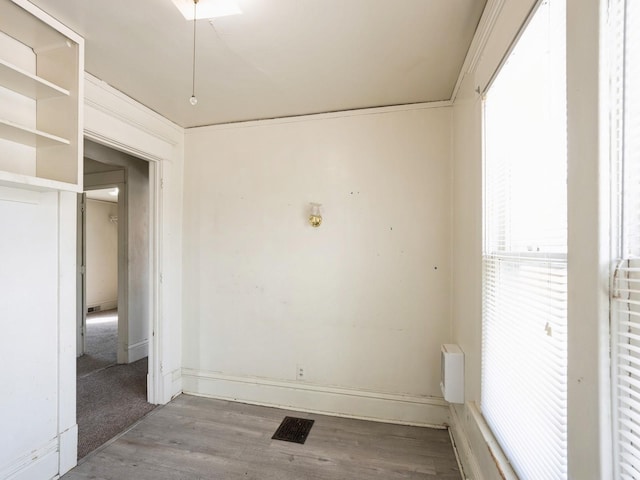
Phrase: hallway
(110, 397)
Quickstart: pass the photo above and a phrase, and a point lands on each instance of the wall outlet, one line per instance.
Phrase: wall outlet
(299, 372)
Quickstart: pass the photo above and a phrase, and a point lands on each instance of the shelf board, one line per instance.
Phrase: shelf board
(28, 136)
(27, 84)
(38, 184)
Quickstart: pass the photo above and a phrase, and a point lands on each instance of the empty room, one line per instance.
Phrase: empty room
(351, 239)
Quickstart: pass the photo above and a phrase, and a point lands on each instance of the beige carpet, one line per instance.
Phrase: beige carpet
(110, 397)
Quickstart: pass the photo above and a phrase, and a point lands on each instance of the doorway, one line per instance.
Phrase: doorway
(98, 257)
(113, 300)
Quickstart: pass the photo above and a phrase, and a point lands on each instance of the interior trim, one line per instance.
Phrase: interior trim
(336, 401)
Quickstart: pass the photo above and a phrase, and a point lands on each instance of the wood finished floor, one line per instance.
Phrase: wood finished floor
(200, 438)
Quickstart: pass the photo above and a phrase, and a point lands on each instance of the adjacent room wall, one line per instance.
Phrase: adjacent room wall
(346, 318)
(134, 197)
(102, 254)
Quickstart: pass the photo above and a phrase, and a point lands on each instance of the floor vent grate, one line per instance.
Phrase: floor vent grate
(293, 429)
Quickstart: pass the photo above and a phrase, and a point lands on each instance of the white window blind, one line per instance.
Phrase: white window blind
(625, 325)
(524, 345)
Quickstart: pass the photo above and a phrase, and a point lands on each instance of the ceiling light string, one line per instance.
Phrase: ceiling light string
(193, 100)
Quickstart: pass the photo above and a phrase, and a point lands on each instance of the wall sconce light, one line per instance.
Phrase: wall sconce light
(315, 217)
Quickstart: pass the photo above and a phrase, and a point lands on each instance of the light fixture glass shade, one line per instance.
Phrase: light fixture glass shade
(315, 216)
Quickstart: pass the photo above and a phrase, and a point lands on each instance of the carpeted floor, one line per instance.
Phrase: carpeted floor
(110, 397)
(102, 342)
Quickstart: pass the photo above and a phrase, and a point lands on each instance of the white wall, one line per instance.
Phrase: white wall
(361, 303)
(29, 272)
(588, 334)
(38, 434)
(102, 254)
(37, 344)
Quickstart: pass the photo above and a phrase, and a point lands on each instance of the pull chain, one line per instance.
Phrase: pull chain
(193, 100)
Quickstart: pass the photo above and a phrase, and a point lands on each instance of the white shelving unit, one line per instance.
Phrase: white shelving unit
(29, 136)
(41, 80)
(28, 84)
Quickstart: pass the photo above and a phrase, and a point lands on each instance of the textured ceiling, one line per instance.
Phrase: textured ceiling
(280, 58)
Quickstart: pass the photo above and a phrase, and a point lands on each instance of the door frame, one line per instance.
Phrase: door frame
(154, 393)
(81, 278)
(112, 119)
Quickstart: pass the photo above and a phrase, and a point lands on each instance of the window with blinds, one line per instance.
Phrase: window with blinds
(524, 344)
(625, 304)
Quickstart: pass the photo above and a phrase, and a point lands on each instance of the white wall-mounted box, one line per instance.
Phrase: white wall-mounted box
(452, 373)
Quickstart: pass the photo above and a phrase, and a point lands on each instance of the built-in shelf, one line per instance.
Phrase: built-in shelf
(27, 84)
(38, 184)
(29, 136)
(41, 75)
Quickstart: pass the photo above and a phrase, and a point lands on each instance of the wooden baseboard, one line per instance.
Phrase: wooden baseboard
(41, 463)
(138, 350)
(479, 452)
(68, 449)
(300, 396)
(468, 460)
(103, 306)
